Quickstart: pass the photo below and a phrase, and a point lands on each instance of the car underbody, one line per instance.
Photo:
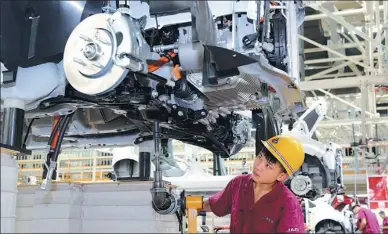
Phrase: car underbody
(115, 72)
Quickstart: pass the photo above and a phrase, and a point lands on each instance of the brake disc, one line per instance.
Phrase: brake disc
(88, 54)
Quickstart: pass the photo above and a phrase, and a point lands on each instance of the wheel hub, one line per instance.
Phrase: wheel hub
(88, 57)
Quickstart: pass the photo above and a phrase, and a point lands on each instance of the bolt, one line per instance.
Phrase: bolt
(102, 40)
(98, 65)
(83, 37)
(180, 113)
(79, 61)
(154, 93)
(203, 113)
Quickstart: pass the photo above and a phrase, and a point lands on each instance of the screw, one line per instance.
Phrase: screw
(98, 65)
(154, 93)
(83, 37)
(180, 113)
(102, 40)
(79, 61)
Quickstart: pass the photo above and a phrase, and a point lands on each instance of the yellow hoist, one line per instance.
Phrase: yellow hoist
(193, 207)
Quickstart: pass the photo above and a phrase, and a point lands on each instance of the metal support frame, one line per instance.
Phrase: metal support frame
(335, 59)
(332, 46)
(337, 75)
(349, 122)
(292, 42)
(347, 25)
(372, 60)
(353, 39)
(163, 201)
(338, 13)
(385, 27)
(218, 165)
(324, 72)
(376, 10)
(343, 82)
(344, 127)
(346, 102)
(158, 183)
(335, 52)
(364, 100)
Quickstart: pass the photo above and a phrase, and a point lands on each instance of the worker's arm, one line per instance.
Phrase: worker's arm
(221, 203)
(361, 215)
(362, 224)
(291, 220)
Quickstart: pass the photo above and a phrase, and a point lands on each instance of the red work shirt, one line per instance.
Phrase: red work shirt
(276, 212)
(372, 225)
(385, 224)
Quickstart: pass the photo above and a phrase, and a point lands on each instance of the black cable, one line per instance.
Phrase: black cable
(50, 153)
(61, 135)
(28, 131)
(179, 221)
(103, 115)
(54, 131)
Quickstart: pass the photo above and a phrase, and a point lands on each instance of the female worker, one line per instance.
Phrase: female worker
(259, 202)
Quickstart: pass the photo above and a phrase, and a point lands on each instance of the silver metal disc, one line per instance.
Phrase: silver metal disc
(87, 57)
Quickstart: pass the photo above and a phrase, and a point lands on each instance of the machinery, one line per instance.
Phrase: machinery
(322, 167)
(322, 217)
(116, 73)
(117, 67)
(319, 182)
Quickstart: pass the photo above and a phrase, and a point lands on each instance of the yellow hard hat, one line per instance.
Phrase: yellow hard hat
(287, 150)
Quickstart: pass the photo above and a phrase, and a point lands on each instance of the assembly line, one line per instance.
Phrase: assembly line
(194, 116)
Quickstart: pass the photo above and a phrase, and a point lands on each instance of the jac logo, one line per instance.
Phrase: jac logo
(293, 230)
